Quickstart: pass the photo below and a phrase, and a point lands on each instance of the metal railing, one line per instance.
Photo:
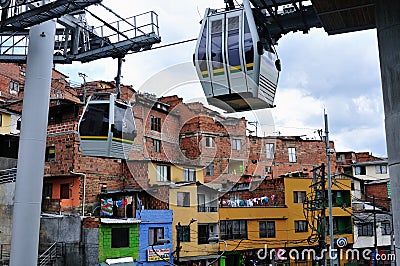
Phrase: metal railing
(207, 209)
(8, 175)
(4, 254)
(51, 254)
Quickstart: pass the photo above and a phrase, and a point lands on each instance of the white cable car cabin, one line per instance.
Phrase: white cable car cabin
(237, 69)
(107, 127)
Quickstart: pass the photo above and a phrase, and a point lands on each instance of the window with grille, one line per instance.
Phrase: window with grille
(156, 145)
(183, 199)
(381, 169)
(365, 229)
(292, 155)
(236, 144)
(155, 123)
(209, 142)
(184, 233)
(210, 169)
(14, 87)
(270, 150)
(233, 229)
(299, 196)
(50, 154)
(189, 174)
(300, 226)
(267, 229)
(163, 173)
(155, 233)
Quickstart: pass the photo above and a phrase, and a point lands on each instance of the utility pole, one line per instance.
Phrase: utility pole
(322, 241)
(84, 76)
(375, 235)
(118, 77)
(332, 255)
(178, 241)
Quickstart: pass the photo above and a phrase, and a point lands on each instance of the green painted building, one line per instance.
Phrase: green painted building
(118, 238)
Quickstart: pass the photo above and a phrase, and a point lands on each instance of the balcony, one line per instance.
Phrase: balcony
(207, 209)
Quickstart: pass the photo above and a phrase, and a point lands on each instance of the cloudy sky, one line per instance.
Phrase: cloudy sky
(339, 74)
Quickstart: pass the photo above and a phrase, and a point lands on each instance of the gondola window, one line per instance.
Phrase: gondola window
(233, 44)
(202, 53)
(248, 46)
(95, 121)
(216, 48)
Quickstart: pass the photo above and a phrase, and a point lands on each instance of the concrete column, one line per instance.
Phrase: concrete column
(388, 29)
(28, 188)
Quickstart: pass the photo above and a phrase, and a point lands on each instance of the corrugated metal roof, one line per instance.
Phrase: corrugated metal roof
(119, 221)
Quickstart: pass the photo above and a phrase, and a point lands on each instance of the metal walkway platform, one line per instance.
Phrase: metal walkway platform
(43, 13)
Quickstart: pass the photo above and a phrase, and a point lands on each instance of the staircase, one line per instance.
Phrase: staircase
(50, 256)
(8, 175)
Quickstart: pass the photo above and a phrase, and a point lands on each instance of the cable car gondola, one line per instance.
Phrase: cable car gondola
(235, 61)
(107, 127)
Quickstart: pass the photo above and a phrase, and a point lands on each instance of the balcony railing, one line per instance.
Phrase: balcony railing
(207, 209)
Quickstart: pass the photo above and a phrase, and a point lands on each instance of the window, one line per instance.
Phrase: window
(156, 145)
(155, 123)
(236, 144)
(47, 190)
(233, 229)
(292, 155)
(155, 234)
(119, 237)
(209, 142)
(163, 173)
(340, 158)
(14, 87)
(270, 150)
(183, 199)
(210, 169)
(267, 229)
(365, 229)
(205, 231)
(189, 174)
(64, 191)
(381, 169)
(50, 154)
(184, 233)
(299, 196)
(300, 226)
(360, 170)
(268, 170)
(385, 227)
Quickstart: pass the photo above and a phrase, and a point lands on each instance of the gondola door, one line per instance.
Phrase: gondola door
(216, 55)
(234, 51)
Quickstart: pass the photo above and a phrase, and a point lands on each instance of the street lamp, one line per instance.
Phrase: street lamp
(161, 241)
(178, 239)
(216, 239)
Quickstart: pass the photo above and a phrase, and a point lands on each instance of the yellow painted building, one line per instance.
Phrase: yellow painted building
(195, 211)
(5, 122)
(281, 226)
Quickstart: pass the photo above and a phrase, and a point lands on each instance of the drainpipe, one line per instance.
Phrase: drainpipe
(84, 190)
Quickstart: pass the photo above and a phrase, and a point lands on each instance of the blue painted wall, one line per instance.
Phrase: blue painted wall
(153, 218)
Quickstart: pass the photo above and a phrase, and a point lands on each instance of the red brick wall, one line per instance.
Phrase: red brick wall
(380, 192)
